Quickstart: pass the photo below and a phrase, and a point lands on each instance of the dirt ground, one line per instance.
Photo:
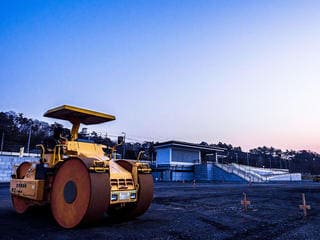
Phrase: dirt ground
(184, 211)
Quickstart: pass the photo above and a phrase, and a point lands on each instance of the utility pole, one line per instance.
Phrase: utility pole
(289, 166)
(124, 145)
(270, 162)
(29, 138)
(2, 141)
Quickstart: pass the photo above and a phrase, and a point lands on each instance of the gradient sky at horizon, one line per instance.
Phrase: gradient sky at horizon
(240, 72)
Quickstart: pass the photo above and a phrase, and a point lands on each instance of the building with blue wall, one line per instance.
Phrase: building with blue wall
(176, 161)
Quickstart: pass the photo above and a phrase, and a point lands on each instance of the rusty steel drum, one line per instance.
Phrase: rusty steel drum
(21, 204)
(145, 196)
(133, 210)
(77, 195)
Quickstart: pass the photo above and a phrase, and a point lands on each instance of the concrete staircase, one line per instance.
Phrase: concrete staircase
(253, 174)
(242, 172)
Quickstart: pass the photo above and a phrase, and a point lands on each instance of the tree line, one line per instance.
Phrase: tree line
(303, 161)
(18, 131)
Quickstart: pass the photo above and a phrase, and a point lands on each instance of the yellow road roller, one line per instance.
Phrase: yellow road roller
(81, 182)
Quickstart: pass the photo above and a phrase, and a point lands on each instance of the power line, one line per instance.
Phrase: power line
(131, 137)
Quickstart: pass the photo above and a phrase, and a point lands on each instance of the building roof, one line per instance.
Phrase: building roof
(196, 146)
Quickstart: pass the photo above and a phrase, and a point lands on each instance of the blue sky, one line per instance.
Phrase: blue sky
(241, 72)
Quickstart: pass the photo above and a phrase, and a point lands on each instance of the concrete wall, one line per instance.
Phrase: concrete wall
(7, 163)
(204, 172)
(210, 172)
(166, 175)
(173, 175)
(182, 176)
(157, 175)
(221, 175)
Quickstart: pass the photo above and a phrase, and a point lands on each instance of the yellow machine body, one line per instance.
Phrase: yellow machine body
(34, 183)
(32, 189)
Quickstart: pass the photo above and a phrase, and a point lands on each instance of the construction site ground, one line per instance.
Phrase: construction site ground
(187, 211)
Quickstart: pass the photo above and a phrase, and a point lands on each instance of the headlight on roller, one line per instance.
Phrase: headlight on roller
(133, 195)
(114, 197)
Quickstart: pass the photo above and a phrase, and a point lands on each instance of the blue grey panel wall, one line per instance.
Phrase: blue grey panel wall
(182, 176)
(204, 172)
(163, 156)
(221, 175)
(185, 156)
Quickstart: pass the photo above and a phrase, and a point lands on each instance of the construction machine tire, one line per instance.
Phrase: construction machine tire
(21, 204)
(78, 196)
(145, 196)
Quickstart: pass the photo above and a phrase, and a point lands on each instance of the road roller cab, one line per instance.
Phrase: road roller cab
(79, 180)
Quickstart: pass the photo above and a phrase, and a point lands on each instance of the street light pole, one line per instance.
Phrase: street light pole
(270, 162)
(29, 138)
(124, 145)
(2, 141)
